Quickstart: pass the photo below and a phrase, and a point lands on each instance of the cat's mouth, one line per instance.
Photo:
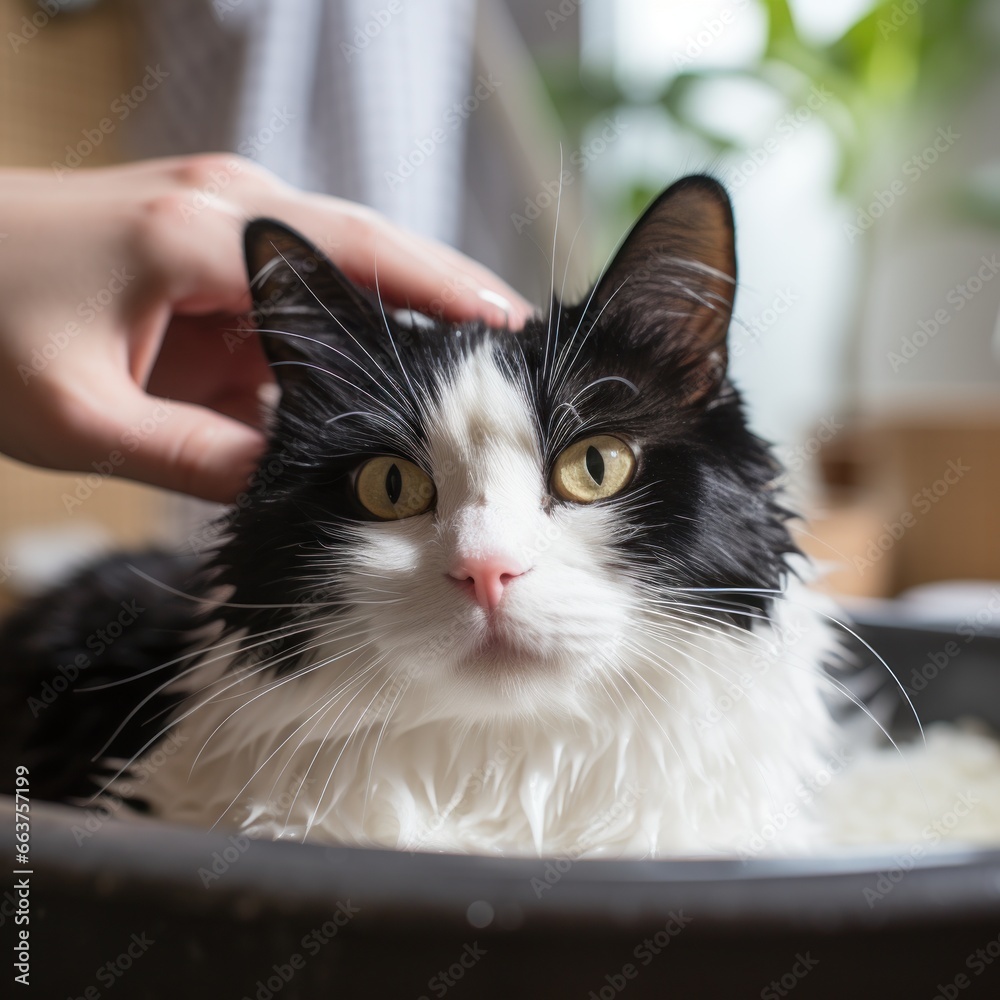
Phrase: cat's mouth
(494, 643)
(498, 652)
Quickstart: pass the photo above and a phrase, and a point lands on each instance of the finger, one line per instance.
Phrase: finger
(198, 246)
(212, 361)
(198, 241)
(178, 446)
(406, 268)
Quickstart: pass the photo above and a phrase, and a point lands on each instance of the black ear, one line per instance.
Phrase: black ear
(300, 297)
(676, 272)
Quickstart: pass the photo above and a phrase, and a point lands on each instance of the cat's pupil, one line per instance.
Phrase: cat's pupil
(595, 464)
(393, 483)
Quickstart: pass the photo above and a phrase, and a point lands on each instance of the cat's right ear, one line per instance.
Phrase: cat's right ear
(301, 300)
(677, 270)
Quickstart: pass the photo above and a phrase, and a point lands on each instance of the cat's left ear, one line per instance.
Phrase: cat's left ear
(300, 296)
(676, 270)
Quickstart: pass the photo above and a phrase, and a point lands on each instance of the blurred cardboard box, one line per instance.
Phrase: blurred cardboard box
(909, 499)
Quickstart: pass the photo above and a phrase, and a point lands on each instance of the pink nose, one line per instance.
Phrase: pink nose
(485, 578)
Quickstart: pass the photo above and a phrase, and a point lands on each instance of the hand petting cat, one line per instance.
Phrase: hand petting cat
(121, 288)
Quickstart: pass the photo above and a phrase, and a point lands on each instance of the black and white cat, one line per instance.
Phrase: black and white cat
(492, 592)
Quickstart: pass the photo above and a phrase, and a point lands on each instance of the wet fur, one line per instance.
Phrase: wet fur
(328, 681)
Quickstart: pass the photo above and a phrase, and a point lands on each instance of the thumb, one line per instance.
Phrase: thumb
(179, 446)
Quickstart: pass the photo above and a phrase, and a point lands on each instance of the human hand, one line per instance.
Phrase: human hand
(117, 286)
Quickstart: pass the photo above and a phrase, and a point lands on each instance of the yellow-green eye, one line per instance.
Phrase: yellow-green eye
(593, 469)
(392, 488)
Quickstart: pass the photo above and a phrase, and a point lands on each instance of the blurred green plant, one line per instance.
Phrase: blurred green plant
(897, 54)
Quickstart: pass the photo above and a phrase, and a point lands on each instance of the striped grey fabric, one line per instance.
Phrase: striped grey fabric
(358, 98)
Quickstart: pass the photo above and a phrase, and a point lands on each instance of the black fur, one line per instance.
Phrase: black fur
(701, 505)
(104, 626)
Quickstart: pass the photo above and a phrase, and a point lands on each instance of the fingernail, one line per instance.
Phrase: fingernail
(512, 315)
(496, 299)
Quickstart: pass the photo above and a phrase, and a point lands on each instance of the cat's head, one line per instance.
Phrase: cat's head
(501, 516)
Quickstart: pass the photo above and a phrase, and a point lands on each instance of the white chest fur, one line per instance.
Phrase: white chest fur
(587, 715)
(698, 760)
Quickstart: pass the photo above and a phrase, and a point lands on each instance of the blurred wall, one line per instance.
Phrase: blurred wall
(925, 365)
(58, 78)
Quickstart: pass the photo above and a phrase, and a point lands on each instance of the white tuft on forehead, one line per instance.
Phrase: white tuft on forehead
(483, 445)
